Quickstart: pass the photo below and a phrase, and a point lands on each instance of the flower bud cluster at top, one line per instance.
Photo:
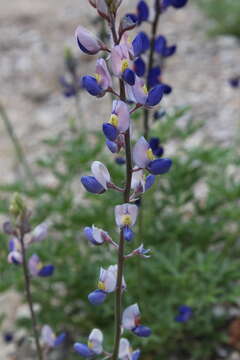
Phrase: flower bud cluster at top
(121, 73)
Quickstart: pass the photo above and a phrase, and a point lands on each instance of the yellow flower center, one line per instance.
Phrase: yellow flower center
(150, 154)
(90, 344)
(145, 90)
(114, 120)
(126, 220)
(39, 266)
(124, 65)
(97, 77)
(101, 286)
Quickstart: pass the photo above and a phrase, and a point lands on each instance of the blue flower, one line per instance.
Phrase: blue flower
(94, 346)
(177, 4)
(90, 84)
(159, 166)
(129, 76)
(69, 89)
(128, 22)
(97, 297)
(120, 161)
(159, 114)
(157, 149)
(92, 185)
(154, 76)
(140, 44)
(184, 314)
(162, 48)
(128, 233)
(142, 11)
(142, 331)
(235, 82)
(139, 67)
(155, 95)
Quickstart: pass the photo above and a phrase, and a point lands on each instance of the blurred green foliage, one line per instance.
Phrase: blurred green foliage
(193, 237)
(225, 16)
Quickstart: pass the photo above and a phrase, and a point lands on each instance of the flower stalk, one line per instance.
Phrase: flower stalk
(27, 283)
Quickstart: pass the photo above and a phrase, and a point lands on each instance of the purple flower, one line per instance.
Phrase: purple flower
(131, 320)
(122, 65)
(126, 216)
(128, 22)
(15, 257)
(118, 122)
(69, 89)
(139, 67)
(40, 232)
(142, 11)
(174, 3)
(120, 160)
(140, 44)
(101, 82)
(95, 235)
(92, 185)
(141, 251)
(139, 94)
(126, 352)
(144, 158)
(36, 268)
(184, 314)
(157, 149)
(98, 183)
(139, 183)
(162, 48)
(94, 346)
(49, 339)
(106, 284)
(235, 82)
(87, 42)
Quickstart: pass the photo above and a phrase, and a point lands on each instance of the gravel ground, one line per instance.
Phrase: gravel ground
(32, 39)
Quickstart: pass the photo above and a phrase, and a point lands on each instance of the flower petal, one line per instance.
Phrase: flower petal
(100, 173)
(83, 350)
(140, 153)
(130, 314)
(97, 297)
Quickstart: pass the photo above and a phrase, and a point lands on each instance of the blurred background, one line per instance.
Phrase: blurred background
(190, 219)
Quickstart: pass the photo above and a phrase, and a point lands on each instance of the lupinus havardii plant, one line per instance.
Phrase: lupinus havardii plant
(118, 131)
(21, 237)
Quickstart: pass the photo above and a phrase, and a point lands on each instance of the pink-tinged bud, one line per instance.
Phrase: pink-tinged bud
(102, 9)
(87, 42)
(15, 257)
(40, 232)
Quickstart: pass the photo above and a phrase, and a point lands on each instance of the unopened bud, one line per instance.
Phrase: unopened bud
(17, 206)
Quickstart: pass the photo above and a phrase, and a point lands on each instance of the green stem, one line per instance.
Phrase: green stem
(29, 298)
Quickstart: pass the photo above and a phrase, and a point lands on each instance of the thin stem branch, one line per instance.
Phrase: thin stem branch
(29, 297)
(150, 61)
(17, 146)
